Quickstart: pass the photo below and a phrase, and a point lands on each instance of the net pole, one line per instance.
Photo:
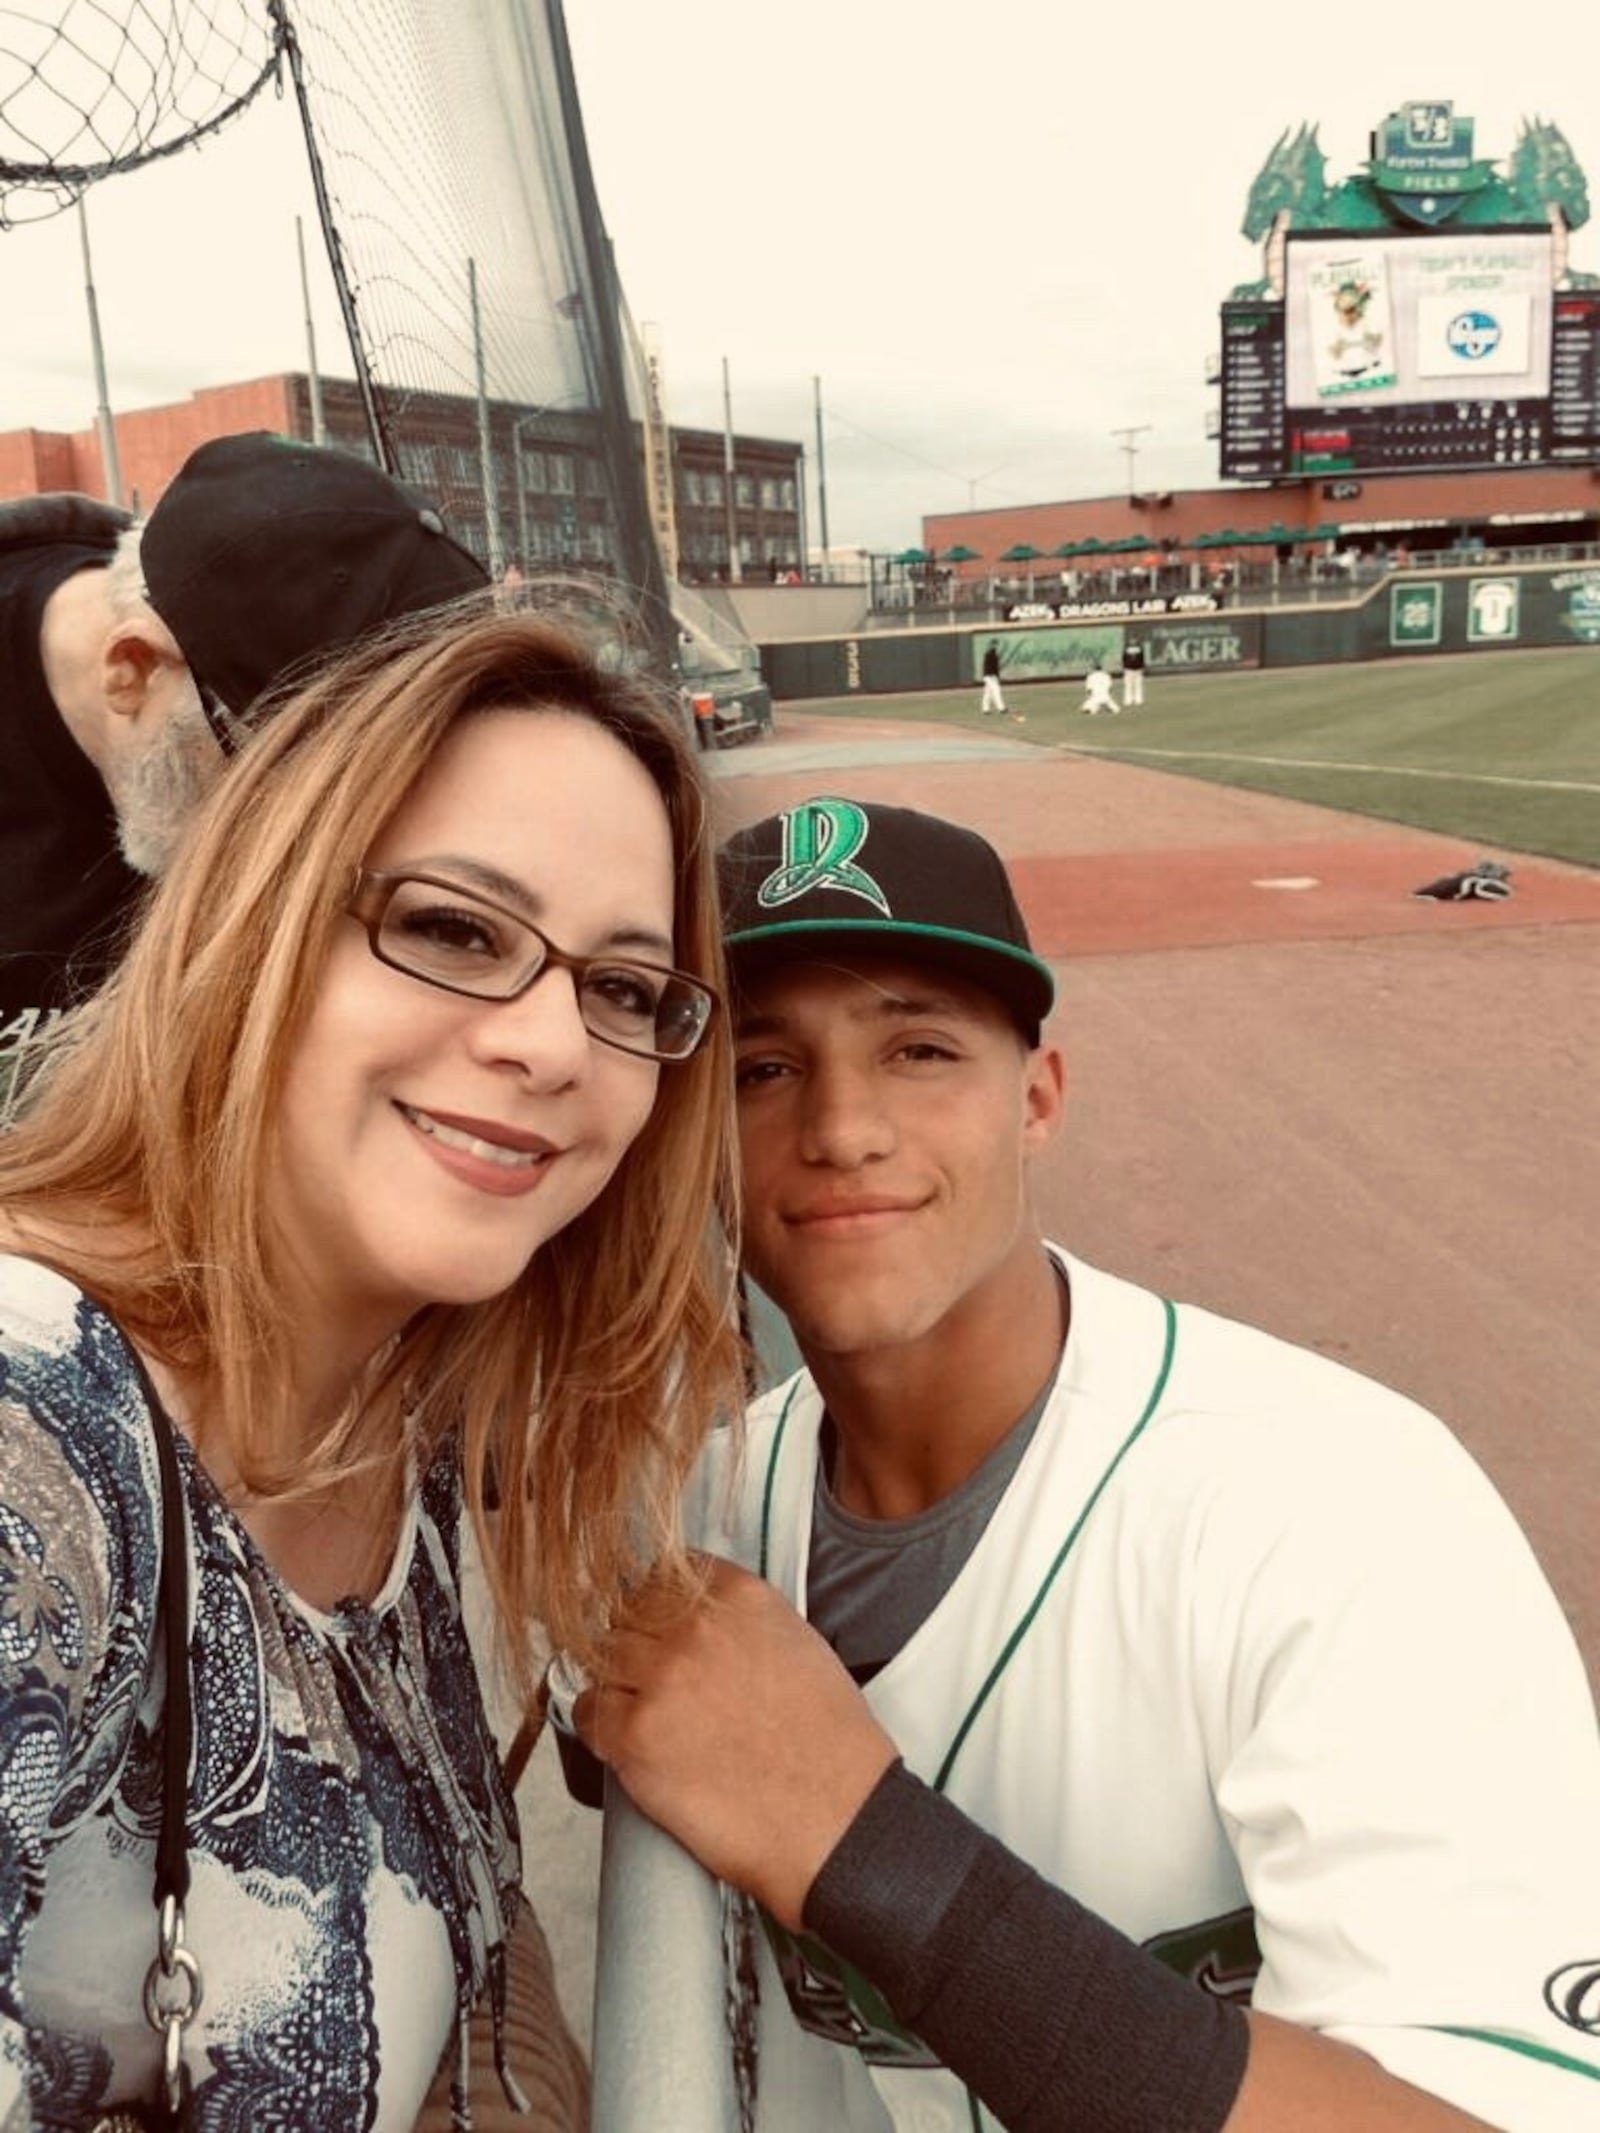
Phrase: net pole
(491, 501)
(377, 427)
(319, 427)
(640, 557)
(105, 422)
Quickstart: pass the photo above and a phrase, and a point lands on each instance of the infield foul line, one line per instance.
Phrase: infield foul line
(1376, 770)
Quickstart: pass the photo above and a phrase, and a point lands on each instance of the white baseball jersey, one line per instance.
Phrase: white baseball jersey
(1283, 1674)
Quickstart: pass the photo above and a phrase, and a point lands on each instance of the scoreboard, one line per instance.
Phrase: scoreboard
(1416, 353)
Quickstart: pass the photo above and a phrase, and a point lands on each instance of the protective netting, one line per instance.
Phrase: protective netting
(90, 87)
(456, 181)
(494, 363)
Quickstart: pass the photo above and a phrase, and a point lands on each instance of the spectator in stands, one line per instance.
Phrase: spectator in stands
(128, 655)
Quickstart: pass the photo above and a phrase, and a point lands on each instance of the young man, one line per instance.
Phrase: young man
(1170, 1731)
(127, 654)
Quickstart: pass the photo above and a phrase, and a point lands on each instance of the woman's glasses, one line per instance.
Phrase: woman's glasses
(453, 938)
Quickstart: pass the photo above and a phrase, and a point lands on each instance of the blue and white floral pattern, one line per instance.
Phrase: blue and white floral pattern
(353, 1849)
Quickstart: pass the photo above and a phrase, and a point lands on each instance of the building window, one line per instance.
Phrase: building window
(695, 488)
(533, 472)
(562, 480)
(747, 548)
(744, 491)
(769, 496)
(713, 488)
(786, 493)
(596, 545)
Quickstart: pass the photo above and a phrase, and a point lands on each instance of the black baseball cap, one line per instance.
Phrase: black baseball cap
(265, 556)
(853, 873)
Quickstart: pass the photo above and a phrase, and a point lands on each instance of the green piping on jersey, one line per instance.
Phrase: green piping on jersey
(1524, 2045)
(772, 1475)
(1022, 1628)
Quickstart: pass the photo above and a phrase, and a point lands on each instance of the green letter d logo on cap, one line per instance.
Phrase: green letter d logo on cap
(820, 842)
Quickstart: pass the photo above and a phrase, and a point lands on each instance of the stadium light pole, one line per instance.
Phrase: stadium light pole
(732, 516)
(974, 479)
(1129, 443)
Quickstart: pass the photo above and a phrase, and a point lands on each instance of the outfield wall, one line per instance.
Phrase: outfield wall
(1473, 608)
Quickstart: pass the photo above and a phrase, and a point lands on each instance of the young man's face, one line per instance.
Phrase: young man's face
(887, 1111)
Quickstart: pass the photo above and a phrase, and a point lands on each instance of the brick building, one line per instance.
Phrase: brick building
(550, 487)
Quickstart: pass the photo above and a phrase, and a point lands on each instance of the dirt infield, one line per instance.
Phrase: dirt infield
(1363, 1120)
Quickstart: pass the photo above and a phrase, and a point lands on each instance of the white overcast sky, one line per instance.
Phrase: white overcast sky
(995, 233)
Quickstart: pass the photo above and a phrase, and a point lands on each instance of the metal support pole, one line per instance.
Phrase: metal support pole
(734, 570)
(111, 464)
(822, 486)
(319, 427)
(522, 495)
(491, 502)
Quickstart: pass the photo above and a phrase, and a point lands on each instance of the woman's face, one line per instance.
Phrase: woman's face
(430, 1143)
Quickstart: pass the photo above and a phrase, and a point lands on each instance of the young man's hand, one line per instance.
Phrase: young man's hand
(739, 1732)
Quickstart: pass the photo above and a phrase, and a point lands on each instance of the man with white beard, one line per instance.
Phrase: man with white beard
(131, 655)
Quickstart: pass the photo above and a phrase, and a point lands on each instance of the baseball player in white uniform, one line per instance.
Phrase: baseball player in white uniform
(1121, 1718)
(1097, 692)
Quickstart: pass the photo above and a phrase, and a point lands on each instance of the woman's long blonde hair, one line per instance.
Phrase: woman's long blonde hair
(583, 1392)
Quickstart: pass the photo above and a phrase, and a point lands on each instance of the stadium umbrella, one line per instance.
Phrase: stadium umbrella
(913, 555)
(1023, 552)
(960, 553)
(1065, 549)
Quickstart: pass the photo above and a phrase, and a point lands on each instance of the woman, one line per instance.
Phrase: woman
(404, 1121)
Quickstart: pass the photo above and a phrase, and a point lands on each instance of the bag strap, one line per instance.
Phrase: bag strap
(173, 1986)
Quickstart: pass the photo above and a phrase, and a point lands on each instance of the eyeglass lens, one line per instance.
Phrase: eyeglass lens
(449, 938)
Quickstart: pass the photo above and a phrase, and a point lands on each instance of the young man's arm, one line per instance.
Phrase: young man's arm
(741, 1734)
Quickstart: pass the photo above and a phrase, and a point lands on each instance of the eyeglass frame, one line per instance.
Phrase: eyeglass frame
(371, 918)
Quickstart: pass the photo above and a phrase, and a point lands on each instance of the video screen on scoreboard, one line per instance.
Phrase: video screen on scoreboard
(1375, 321)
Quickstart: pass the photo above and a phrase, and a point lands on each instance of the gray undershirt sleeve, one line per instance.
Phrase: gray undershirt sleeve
(1052, 2017)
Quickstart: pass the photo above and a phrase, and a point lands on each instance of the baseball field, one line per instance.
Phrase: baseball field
(1502, 748)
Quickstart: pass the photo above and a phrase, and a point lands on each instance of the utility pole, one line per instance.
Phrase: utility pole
(822, 486)
(491, 503)
(104, 420)
(319, 427)
(734, 571)
(1129, 443)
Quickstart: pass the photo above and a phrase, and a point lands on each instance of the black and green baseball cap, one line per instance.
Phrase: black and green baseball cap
(854, 873)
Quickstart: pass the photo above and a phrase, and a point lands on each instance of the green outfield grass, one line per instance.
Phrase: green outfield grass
(1500, 748)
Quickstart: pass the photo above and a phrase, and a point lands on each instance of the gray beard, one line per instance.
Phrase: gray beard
(155, 794)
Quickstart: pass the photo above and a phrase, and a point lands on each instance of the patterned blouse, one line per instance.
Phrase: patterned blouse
(353, 1851)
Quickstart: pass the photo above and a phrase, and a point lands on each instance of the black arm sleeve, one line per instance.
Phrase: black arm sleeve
(1052, 2017)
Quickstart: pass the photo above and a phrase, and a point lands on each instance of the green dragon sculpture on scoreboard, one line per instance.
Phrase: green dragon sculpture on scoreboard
(1400, 187)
